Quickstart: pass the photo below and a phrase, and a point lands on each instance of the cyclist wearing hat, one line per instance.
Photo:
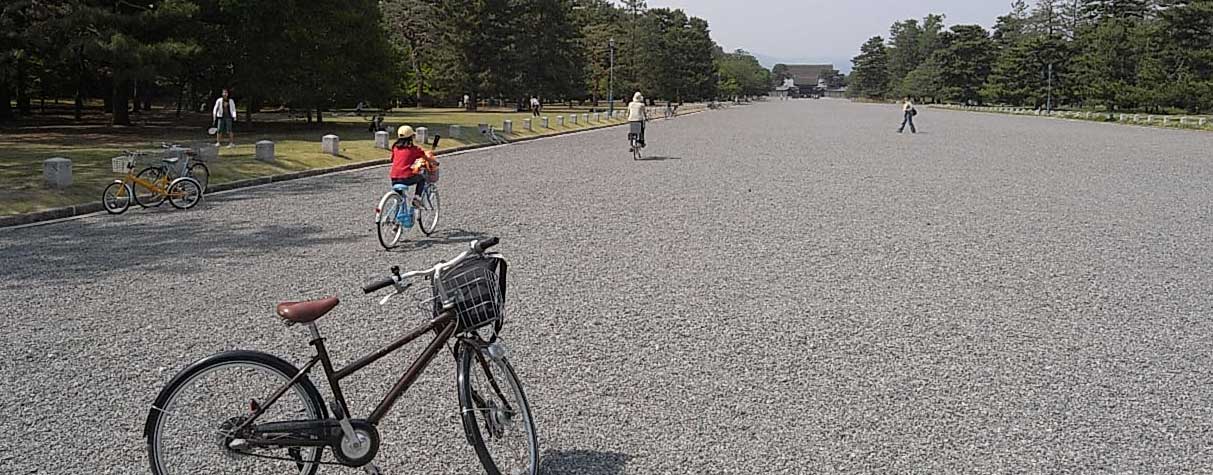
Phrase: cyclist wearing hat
(407, 160)
(637, 117)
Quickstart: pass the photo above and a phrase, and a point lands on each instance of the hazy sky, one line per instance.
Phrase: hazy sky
(822, 30)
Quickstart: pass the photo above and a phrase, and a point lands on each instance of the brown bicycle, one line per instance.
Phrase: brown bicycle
(252, 412)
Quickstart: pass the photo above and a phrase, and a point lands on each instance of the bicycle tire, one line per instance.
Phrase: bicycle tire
(146, 197)
(184, 193)
(635, 150)
(165, 408)
(199, 171)
(431, 208)
(470, 359)
(121, 198)
(386, 226)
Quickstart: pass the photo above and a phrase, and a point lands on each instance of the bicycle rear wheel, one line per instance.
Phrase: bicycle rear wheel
(199, 171)
(184, 193)
(191, 426)
(389, 229)
(635, 149)
(148, 197)
(427, 213)
(496, 415)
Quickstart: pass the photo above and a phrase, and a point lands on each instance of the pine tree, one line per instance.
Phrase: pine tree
(870, 71)
(964, 62)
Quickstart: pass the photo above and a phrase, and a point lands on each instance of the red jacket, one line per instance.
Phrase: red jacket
(402, 161)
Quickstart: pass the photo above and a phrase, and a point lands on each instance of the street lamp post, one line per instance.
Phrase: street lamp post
(1049, 104)
(611, 80)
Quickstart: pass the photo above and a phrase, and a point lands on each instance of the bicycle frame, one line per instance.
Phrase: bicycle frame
(132, 180)
(443, 325)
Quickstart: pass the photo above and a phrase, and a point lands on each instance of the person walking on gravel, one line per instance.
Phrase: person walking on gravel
(224, 114)
(908, 112)
(637, 117)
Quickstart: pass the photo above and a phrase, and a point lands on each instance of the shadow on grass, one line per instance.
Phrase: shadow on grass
(583, 462)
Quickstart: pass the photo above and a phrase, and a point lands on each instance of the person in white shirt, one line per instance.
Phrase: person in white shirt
(637, 117)
(908, 112)
(535, 106)
(224, 113)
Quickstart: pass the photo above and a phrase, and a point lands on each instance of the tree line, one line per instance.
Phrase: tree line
(312, 56)
(1150, 55)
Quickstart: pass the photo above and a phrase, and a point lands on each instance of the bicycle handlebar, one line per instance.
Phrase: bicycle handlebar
(478, 247)
(377, 285)
(481, 246)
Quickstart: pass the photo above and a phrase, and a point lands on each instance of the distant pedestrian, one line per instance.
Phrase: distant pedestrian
(535, 106)
(908, 112)
(467, 101)
(224, 114)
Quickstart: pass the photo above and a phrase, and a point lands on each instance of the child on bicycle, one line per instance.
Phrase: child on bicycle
(408, 160)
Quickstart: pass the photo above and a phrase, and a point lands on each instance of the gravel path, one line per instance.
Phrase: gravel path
(784, 288)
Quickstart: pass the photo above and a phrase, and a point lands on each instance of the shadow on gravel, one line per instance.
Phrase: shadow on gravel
(658, 159)
(68, 253)
(452, 236)
(329, 183)
(583, 462)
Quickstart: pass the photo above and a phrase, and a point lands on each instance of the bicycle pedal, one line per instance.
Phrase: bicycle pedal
(372, 469)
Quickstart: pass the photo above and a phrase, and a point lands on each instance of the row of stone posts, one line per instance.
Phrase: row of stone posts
(57, 171)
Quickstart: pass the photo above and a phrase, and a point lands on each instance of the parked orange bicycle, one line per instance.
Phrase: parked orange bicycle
(183, 193)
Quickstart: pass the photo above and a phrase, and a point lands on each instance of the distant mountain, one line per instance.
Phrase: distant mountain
(842, 64)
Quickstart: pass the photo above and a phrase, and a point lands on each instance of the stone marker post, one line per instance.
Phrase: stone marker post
(560, 121)
(507, 127)
(526, 124)
(423, 135)
(381, 140)
(265, 150)
(544, 121)
(57, 172)
(331, 144)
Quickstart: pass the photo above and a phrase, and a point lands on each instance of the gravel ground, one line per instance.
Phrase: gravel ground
(784, 288)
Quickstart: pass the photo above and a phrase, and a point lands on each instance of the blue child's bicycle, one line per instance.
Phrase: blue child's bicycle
(396, 214)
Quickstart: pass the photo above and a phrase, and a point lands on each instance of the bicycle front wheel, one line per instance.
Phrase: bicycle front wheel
(148, 197)
(192, 426)
(184, 193)
(390, 230)
(200, 172)
(116, 198)
(496, 415)
(427, 213)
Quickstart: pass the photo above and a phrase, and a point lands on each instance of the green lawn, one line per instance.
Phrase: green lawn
(1192, 122)
(297, 146)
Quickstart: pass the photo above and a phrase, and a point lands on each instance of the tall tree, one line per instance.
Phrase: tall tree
(905, 50)
(474, 60)
(410, 23)
(964, 62)
(550, 58)
(870, 70)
